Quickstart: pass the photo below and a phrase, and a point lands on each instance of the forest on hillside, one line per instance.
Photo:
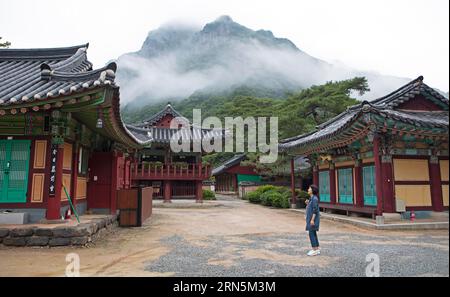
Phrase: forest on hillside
(297, 113)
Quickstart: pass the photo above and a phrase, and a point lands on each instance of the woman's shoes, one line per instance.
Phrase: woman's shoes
(313, 253)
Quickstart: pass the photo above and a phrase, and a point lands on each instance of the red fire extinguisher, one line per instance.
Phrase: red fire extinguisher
(67, 214)
(413, 215)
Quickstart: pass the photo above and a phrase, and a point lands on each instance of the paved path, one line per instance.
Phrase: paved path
(239, 239)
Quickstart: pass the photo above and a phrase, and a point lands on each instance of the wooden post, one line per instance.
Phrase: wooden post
(293, 196)
(378, 174)
(54, 202)
(436, 184)
(114, 172)
(235, 183)
(333, 192)
(167, 191)
(199, 191)
(316, 176)
(75, 157)
(388, 185)
(300, 181)
(359, 192)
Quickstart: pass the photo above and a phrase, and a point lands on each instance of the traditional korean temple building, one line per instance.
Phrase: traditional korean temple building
(60, 133)
(378, 155)
(229, 174)
(172, 175)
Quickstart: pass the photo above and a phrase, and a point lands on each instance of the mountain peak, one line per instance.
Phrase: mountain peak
(224, 19)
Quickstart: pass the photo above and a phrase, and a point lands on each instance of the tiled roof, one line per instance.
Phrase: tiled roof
(385, 107)
(164, 135)
(229, 163)
(28, 75)
(168, 110)
(406, 93)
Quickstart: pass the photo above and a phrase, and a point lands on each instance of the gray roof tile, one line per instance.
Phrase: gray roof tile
(27, 75)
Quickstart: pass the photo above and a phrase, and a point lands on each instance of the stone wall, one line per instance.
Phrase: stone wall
(79, 235)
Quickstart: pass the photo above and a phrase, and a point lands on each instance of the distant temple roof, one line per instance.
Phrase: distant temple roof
(164, 135)
(62, 78)
(168, 110)
(382, 108)
(236, 160)
(148, 131)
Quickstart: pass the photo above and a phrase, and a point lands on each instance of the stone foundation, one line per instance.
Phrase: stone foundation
(79, 235)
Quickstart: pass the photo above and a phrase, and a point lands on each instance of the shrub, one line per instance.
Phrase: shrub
(265, 188)
(254, 197)
(268, 197)
(209, 195)
(274, 198)
(285, 202)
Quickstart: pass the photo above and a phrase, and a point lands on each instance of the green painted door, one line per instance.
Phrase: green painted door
(370, 195)
(324, 186)
(345, 178)
(14, 165)
(248, 177)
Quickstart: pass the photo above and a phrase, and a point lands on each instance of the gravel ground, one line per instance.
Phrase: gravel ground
(237, 238)
(345, 255)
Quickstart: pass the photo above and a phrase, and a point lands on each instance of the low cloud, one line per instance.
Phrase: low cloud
(174, 69)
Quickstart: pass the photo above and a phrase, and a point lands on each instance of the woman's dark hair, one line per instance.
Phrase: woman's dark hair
(315, 189)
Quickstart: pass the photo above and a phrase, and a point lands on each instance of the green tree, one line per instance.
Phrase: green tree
(5, 44)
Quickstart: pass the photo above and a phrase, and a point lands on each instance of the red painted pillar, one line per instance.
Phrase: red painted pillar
(316, 176)
(387, 184)
(54, 202)
(114, 182)
(436, 184)
(378, 174)
(359, 193)
(75, 157)
(294, 198)
(167, 191)
(199, 191)
(333, 194)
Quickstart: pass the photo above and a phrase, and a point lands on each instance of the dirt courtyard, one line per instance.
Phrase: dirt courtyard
(238, 239)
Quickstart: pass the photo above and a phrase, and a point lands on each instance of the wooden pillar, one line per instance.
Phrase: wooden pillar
(294, 198)
(333, 194)
(199, 191)
(436, 184)
(114, 181)
(75, 158)
(378, 174)
(300, 180)
(167, 191)
(316, 176)
(359, 192)
(54, 201)
(387, 184)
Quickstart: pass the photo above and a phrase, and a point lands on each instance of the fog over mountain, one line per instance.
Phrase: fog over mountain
(177, 61)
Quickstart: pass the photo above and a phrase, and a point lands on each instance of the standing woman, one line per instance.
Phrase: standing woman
(313, 220)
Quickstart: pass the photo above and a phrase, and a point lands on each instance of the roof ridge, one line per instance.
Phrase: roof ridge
(168, 109)
(40, 53)
(101, 74)
(73, 61)
(418, 81)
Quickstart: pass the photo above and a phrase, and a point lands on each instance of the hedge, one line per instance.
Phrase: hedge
(208, 195)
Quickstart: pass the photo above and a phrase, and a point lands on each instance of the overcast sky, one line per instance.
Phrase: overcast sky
(405, 38)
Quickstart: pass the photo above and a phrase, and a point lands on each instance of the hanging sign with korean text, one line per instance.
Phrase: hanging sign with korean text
(53, 169)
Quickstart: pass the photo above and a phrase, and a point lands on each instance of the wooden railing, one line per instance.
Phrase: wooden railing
(148, 171)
